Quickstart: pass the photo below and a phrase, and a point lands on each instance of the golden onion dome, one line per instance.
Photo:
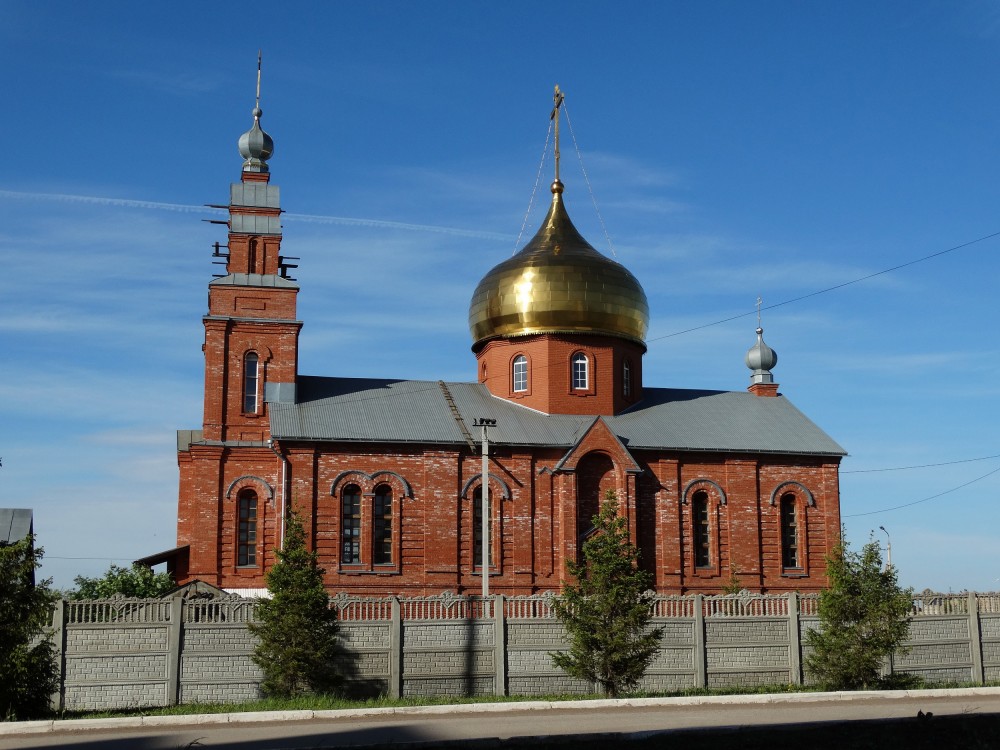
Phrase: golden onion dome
(558, 283)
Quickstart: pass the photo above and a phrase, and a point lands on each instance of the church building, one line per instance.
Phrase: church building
(718, 487)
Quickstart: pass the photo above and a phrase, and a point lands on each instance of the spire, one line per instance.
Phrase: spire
(761, 359)
(255, 145)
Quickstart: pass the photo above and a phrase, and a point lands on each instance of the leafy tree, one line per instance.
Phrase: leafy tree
(296, 627)
(28, 668)
(138, 581)
(606, 612)
(864, 617)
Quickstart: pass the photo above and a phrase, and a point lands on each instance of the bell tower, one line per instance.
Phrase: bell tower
(227, 518)
(251, 330)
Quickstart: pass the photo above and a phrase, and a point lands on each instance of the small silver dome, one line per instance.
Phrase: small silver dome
(761, 359)
(256, 146)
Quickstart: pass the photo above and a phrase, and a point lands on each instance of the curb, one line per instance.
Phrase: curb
(249, 717)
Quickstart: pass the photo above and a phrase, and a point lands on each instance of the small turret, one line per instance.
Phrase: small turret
(761, 359)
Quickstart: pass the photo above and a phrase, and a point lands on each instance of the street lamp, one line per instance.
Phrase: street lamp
(888, 549)
(484, 532)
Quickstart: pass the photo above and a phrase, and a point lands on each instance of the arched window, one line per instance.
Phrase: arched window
(247, 540)
(520, 373)
(382, 528)
(626, 378)
(350, 525)
(581, 379)
(251, 364)
(477, 527)
(789, 533)
(702, 530)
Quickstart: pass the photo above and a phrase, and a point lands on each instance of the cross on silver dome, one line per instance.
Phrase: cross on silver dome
(255, 145)
(761, 358)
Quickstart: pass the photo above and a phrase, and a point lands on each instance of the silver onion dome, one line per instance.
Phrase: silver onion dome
(761, 359)
(256, 146)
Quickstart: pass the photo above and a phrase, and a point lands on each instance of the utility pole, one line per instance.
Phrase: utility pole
(888, 549)
(484, 531)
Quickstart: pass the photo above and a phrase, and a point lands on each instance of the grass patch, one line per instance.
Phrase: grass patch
(331, 702)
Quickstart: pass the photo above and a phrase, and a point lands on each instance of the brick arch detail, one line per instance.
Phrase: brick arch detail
(249, 480)
(596, 472)
(696, 484)
(810, 500)
(255, 345)
(372, 479)
(505, 494)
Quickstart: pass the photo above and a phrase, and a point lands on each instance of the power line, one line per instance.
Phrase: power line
(917, 502)
(830, 288)
(921, 466)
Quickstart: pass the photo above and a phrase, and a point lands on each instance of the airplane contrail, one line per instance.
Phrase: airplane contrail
(308, 218)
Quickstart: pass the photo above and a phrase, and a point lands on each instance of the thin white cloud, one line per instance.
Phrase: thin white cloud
(171, 82)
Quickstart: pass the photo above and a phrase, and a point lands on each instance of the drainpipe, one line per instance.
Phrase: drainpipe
(284, 482)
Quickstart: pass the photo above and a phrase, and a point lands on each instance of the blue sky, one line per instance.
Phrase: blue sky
(734, 149)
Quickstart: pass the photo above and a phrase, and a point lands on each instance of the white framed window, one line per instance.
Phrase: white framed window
(477, 528)
(350, 525)
(520, 373)
(626, 378)
(702, 530)
(580, 368)
(251, 366)
(247, 541)
(789, 533)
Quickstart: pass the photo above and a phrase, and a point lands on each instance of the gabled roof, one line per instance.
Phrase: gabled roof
(15, 524)
(421, 411)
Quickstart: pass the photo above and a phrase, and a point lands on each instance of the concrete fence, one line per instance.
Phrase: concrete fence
(125, 653)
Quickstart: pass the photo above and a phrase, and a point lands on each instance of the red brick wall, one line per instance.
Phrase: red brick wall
(537, 525)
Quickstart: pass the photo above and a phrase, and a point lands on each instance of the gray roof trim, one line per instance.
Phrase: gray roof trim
(241, 223)
(185, 439)
(232, 443)
(268, 280)
(810, 500)
(161, 557)
(282, 321)
(254, 195)
(693, 485)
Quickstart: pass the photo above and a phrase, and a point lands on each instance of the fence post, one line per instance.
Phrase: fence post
(700, 655)
(396, 650)
(976, 640)
(58, 638)
(173, 687)
(794, 639)
(499, 646)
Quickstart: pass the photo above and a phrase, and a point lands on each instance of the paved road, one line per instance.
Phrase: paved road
(332, 729)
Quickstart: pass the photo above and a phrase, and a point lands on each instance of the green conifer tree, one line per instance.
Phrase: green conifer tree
(297, 629)
(606, 610)
(28, 668)
(864, 617)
